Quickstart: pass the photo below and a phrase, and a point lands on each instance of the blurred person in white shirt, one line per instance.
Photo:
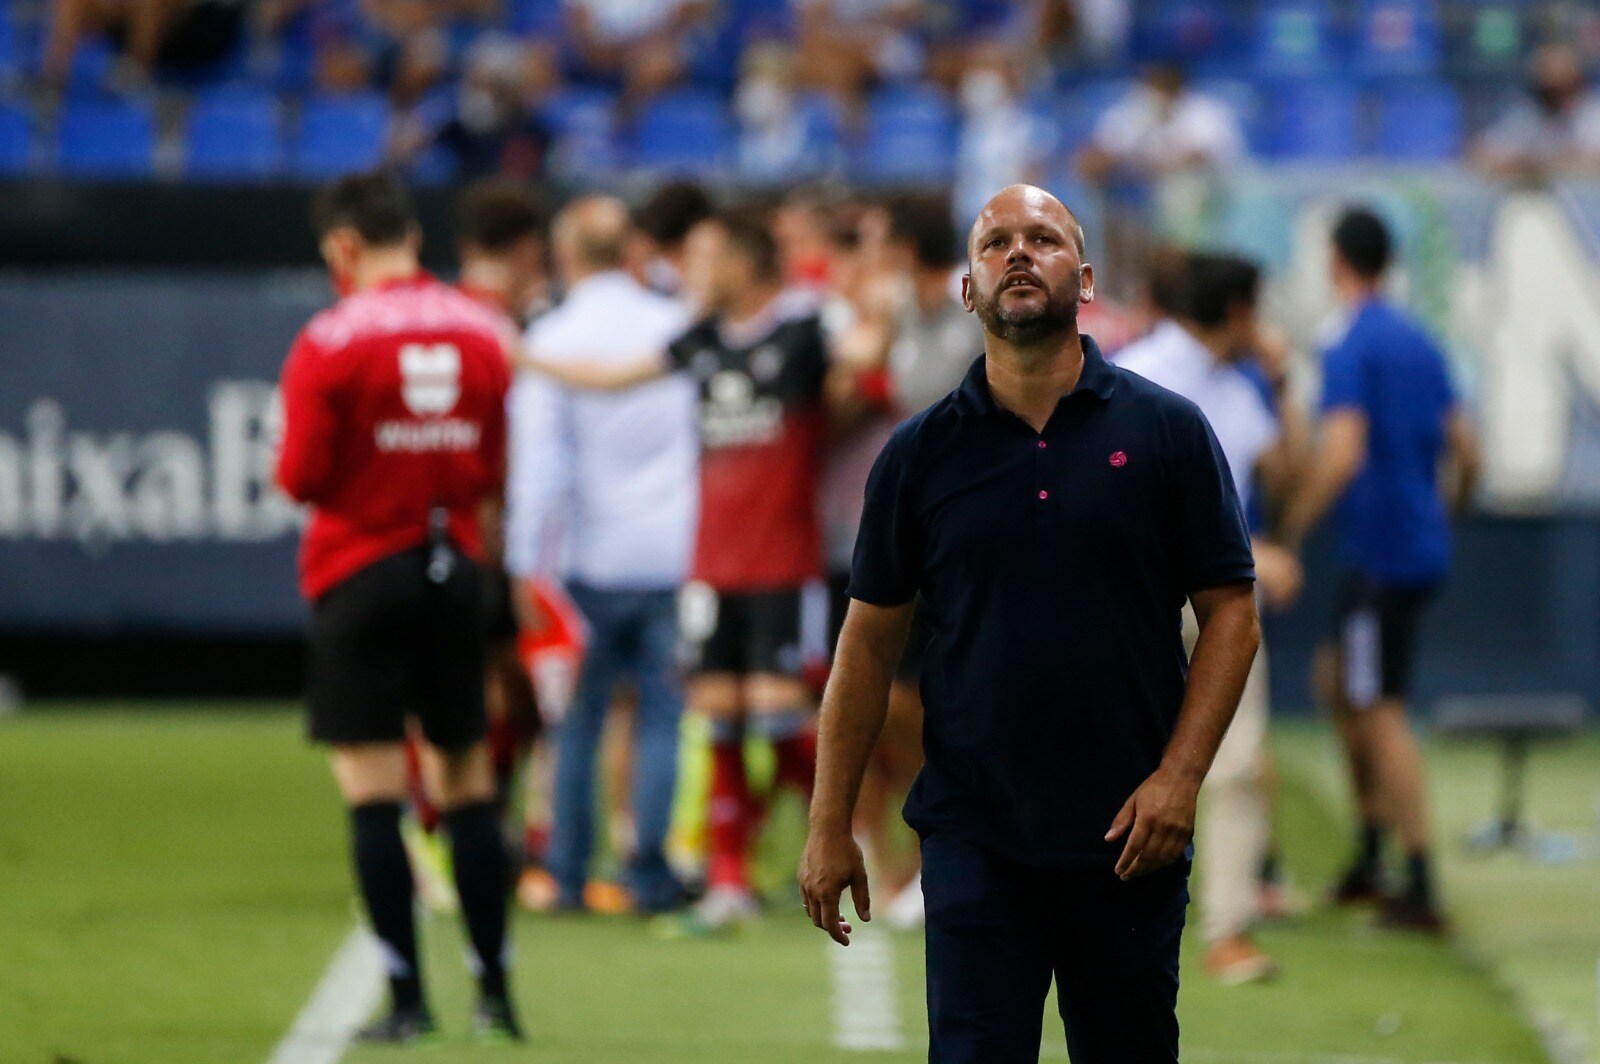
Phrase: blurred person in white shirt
(1161, 128)
(602, 494)
(776, 142)
(1198, 352)
(1002, 142)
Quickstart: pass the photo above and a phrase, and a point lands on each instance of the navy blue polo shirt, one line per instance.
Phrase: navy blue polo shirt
(1393, 528)
(1053, 569)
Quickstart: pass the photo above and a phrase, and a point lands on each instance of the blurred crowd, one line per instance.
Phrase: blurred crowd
(991, 91)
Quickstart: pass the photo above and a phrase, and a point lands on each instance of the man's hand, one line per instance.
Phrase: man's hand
(832, 862)
(1278, 575)
(1159, 822)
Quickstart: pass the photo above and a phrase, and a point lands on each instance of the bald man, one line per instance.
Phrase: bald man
(602, 496)
(1054, 513)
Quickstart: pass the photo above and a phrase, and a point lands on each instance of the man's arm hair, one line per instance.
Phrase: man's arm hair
(1230, 634)
(1335, 464)
(854, 707)
(1158, 818)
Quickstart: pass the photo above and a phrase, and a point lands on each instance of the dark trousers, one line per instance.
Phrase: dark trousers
(997, 933)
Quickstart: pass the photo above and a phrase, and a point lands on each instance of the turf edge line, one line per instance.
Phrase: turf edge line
(349, 990)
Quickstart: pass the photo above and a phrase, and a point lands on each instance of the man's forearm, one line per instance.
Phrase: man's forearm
(853, 710)
(1230, 634)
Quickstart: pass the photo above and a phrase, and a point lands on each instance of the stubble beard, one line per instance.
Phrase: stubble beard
(1057, 316)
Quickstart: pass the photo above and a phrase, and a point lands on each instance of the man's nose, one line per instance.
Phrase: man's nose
(1018, 252)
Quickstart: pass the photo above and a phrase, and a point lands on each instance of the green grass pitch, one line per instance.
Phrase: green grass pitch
(173, 882)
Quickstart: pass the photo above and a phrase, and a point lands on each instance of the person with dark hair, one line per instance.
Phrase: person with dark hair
(1053, 512)
(1396, 454)
(767, 382)
(1199, 352)
(663, 223)
(493, 125)
(394, 434)
(1554, 132)
(502, 229)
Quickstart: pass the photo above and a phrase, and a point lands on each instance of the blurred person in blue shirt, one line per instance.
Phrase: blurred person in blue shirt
(1396, 452)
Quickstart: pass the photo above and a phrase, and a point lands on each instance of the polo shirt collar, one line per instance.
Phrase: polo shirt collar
(973, 396)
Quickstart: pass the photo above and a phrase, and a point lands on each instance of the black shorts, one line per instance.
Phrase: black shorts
(1377, 638)
(749, 632)
(910, 670)
(388, 643)
(499, 613)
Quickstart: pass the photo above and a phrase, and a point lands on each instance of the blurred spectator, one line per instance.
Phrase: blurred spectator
(150, 35)
(640, 46)
(776, 143)
(847, 46)
(493, 126)
(808, 237)
(1002, 142)
(935, 338)
(1162, 127)
(661, 229)
(1556, 130)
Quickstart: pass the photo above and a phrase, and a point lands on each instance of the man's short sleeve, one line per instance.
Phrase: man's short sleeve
(1213, 540)
(1342, 377)
(887, 566)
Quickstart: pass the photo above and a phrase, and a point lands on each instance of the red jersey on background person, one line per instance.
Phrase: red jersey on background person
(769, 391)
(395, 433)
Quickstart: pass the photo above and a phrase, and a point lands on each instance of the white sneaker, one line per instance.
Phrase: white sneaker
(726, 907)
(906, 911)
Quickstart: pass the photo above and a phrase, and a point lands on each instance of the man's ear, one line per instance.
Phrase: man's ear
(966, 292)
(1086, 283)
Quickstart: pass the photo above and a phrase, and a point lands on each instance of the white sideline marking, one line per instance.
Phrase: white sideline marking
(866, 1015)
(349, 990)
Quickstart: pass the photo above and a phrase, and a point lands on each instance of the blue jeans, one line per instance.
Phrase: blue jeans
(633, 635)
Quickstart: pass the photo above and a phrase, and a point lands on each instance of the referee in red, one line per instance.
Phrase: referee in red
(1053, 513)
(395, 435)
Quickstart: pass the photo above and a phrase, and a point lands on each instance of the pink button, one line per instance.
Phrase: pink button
(1042, 445)
(1044, 495)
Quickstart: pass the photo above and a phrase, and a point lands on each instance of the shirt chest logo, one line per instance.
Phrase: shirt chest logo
(1119, 459)
(430, 377)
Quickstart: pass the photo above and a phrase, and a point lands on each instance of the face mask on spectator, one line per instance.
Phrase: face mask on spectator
(983, 91)
(761, 102)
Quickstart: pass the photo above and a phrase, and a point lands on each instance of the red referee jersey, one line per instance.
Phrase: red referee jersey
(394, 405)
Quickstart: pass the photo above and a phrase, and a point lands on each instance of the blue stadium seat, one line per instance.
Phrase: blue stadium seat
(1420, 123)
(683, 133)
(911, 138)
(583, 123)
(1316, 121)
(106, 138)
(535, 18)
(235, 133)
(1189, 32)
(16, 139)
(1294, 38)
(1398, 38)
(340, 135)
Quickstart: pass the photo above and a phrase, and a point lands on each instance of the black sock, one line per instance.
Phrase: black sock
(384, 876)
(483, 873)
(1371, 844)
(1419, 886)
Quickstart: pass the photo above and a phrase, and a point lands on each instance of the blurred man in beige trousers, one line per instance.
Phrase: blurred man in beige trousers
(1197, 353)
